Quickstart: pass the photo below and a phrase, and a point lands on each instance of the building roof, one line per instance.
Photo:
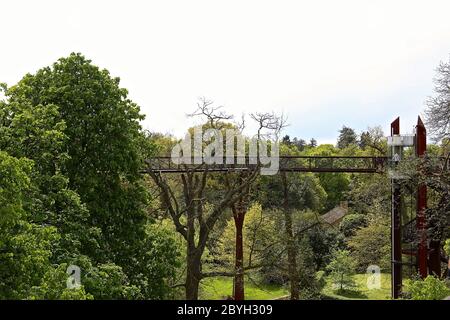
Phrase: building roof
(335, 215)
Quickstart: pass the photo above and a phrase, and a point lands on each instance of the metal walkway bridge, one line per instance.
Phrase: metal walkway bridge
(356, 164)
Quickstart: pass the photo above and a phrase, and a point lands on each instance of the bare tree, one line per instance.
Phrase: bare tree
(194, 211)
(374, 139)
(438, 120)
(438, 107)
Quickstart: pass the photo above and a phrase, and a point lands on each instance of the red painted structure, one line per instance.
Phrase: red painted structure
(428, 251)
(422, 250)
(396, 230)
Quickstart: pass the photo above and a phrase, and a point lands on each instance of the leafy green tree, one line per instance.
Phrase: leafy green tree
(102, 130)
(25, 248)
(37, 133)
(447, 247)
(83, 135)
(342, 268)
(447, 251)
(335, 185)
(313, 143)
(430, 288)
(369, 191)
(373, 141)
(371, 244)
(54, 287)
(108, 281)
(323, 240)
(294, 192)
(304, 191)
(310, 285)
(299, 143)
(347, 137)
(351, 223)
(259, 234)
(286, 140)
(158, 260)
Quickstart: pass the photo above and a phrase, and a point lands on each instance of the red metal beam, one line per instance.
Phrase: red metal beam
(433, 252)
(395, 126)
(422, 252)
(396, 231)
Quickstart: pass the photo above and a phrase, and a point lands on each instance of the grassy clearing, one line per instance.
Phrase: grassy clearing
(219, 288)
(361, 292)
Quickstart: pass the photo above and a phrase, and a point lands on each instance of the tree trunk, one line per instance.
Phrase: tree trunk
(435, 258)
(239, 216)
(291, 251)
(292, 256)
(193, 274)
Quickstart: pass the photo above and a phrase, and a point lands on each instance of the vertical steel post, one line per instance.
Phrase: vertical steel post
(239, 211)
(422, 251)
(396, 235)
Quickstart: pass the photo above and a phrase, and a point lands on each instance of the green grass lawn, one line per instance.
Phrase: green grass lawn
(219, 288)
(361, 292)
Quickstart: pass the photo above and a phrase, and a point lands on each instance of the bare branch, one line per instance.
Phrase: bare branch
(214, 115)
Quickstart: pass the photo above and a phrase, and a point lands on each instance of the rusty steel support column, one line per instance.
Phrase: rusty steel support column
(422, 250)
(239, 211)
(396, 235)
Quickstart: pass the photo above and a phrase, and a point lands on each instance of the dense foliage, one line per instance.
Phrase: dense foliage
(430, 288)
(72, 192)
(71, 152)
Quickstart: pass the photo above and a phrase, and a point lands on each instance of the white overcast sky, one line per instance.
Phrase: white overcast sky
(323, 63)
